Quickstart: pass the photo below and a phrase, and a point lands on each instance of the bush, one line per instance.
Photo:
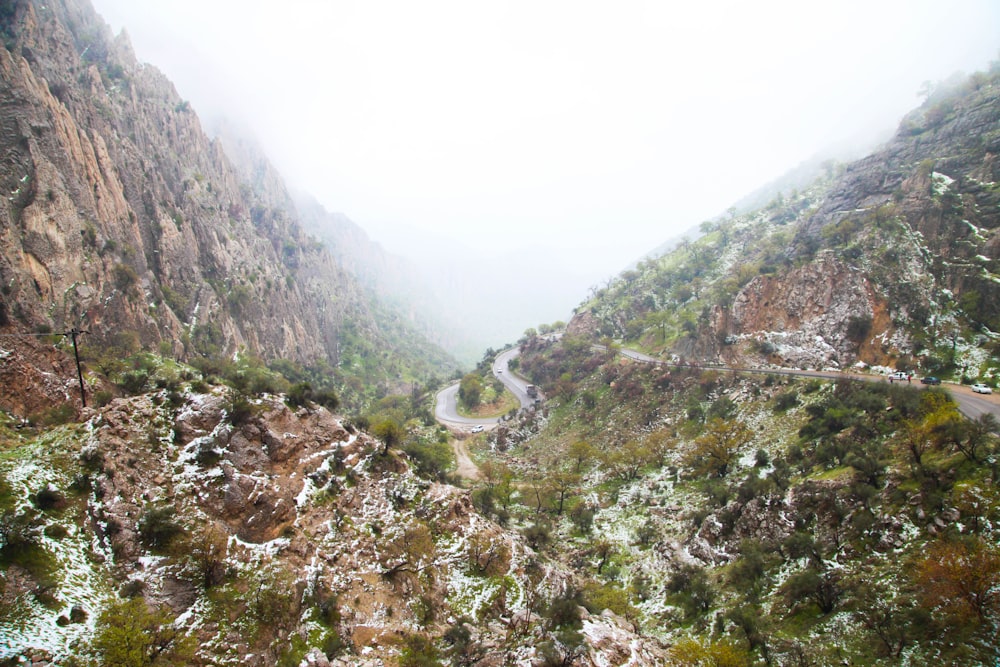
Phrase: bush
(785, 401)
(54, 416)
(129, 634)
(431, 460)
(125, 277)
(239, 408)
(157, 528)
(49, 498)
(419, 651)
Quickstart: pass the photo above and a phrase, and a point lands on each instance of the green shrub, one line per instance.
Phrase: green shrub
(63, 413)
(125, 277)
(419, 651)
(49, 498)
(157, 528)
(239, 408)
(130, 634)
(786, 400)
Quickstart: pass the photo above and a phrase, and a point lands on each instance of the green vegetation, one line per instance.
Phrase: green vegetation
(838, 489)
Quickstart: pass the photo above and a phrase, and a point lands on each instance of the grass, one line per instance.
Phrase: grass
(503, 404)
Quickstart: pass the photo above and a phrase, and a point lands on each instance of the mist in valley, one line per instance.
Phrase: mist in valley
(515, 155)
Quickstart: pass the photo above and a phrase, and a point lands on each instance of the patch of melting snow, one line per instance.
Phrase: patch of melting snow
(271, 548)
(80, 584)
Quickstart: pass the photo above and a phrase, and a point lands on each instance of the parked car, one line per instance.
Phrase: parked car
(477, 429)
(899, 375)
(930, 379)
(981, 388)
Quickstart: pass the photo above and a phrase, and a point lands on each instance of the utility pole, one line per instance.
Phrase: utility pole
(73, 333)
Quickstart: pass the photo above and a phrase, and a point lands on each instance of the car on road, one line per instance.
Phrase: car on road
(981, 388)
(899, 375)
(478, 428)
(930, 379)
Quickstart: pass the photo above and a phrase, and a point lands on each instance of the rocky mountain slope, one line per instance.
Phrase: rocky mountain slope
(754, 519)
(123, 216)
(265, 534)
(187, 521)
(889, 261)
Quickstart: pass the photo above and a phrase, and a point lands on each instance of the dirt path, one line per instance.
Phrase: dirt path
(466, 468)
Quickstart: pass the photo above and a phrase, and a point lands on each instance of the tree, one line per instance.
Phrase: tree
(470, 390)
(130, 634)
(603, 550)
(961, 577)
(490, 555)
(660, 320)
(562, 483)
(389, 432)
(408, 550)
(627, 461)
(913, 440)
(718, 447)
(207, 550)
(891, 617)
(976, 435)
(819, 586)
(580, 452)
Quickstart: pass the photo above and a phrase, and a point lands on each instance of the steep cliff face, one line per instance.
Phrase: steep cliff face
(122, 215)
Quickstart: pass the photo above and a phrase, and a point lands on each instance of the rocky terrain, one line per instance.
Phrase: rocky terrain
(123, 216)
(214, 505)
(267, 536)
(890, 261)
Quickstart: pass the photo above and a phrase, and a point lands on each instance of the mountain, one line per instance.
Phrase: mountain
(744, 512)
(126, 221)
(207, 507)
(889, 261)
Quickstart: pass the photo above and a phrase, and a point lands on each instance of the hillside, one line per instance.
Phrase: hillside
(125, 220)
(760, 519)
(216, 512)
(890, 261)
(752, 519)
(227, 533)
(215, 505)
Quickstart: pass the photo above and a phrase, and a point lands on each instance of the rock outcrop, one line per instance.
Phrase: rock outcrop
(123, 216)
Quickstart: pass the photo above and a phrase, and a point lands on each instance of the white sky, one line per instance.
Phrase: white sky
(601, 128)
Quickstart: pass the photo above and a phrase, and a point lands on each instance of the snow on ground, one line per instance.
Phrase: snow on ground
(78, 583)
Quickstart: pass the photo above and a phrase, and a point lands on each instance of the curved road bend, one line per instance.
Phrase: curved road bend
(446, 409)
(972, 405)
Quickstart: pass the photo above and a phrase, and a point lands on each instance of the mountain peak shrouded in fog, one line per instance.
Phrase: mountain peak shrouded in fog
(596, 131)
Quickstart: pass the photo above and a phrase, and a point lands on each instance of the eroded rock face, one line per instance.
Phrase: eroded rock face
(125, 218)
(805, 314)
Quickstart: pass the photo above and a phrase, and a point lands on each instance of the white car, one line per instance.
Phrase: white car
(477, 429)
(899, 375)
(981, 388)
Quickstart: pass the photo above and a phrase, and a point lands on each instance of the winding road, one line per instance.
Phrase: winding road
(971, 404)
(446, 409)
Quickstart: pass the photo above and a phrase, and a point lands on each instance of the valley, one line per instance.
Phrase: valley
(706, 465)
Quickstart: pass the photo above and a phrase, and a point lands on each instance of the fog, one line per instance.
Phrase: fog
(574, 135)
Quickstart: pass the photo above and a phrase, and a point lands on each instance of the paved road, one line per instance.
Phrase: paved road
(971, 404)
(515, 383)
(446, 409)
